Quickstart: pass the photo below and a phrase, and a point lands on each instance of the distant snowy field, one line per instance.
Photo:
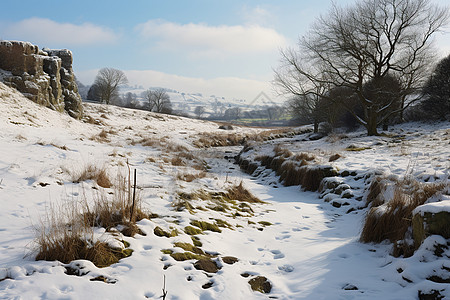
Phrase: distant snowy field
(306, 247)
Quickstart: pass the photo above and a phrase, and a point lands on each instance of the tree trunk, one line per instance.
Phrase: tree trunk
(371, 125)
(316, 126)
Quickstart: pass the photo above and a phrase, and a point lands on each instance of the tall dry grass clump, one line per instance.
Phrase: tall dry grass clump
(92, 172)
(391, 219)
(66, 232)
(240, 193)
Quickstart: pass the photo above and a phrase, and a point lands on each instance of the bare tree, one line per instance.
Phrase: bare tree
(199, 111)
(158, 101)
(352, 46)
(107, 83)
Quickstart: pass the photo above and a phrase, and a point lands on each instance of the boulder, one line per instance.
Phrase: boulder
(431, 219)
(43, 76)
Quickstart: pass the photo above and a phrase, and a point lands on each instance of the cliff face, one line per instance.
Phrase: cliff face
(44, 76)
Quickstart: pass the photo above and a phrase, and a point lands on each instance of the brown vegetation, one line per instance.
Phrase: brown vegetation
(66, 233)
(390, 219)
(92, 172)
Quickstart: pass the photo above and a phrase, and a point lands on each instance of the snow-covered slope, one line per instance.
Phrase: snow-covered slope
(305, 247)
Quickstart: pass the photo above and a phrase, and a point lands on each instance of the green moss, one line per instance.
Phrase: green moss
(265, 223)
(127, 252)
(205, 226)
(196, 241)
(222, 223)
(166, 251)
(158, 231)
(190, 248)
(186, 256)
(192, 231)
(429, 224)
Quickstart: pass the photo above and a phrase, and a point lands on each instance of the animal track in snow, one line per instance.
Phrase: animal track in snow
(283, 237)
(277, 254)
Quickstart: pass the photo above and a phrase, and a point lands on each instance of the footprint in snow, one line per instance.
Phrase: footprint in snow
(147, 247)
(283, 237)
(286, 268)
(277, 254)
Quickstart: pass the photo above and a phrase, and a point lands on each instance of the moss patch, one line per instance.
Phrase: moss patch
(265, 223)
(192, 230)
(206, 226)
(158, 231)
(196, 241)
(189, 247)
(186, 256)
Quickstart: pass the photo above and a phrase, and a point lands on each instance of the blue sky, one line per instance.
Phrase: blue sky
(227, 48)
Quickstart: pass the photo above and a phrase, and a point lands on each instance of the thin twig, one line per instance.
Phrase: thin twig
(164, 291)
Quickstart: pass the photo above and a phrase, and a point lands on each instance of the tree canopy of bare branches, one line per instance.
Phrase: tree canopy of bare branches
(158, 101)
(366, 42)
(107, 83)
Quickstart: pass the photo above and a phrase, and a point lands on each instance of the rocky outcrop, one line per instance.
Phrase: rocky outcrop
(44, 76)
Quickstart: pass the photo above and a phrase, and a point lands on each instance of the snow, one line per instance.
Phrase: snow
(434, 207)
(311, 250)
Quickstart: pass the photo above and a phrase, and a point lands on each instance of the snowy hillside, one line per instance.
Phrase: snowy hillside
(202, 235)
(213, 104)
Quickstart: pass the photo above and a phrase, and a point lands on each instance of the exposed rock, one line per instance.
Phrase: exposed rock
(431, 295)
(230, 260)
(45, 77)
(429, 223)
(206, 265)
(260, 284)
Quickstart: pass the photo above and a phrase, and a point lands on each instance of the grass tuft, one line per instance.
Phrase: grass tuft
(391, 219)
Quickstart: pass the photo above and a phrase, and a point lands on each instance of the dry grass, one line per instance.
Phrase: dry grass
(189, 177)
(103, 136)
(91, 120)
(283, 152)
(92, 172)
(294, 169)
(393, 219)
(208, 140)
(240, 193)
(177, 161)
(62, 235)
(66, 232)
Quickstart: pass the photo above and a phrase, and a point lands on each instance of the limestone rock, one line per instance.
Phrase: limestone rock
(429, 223)
(43, 76)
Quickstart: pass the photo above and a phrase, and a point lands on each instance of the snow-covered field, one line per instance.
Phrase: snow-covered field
(305, 244)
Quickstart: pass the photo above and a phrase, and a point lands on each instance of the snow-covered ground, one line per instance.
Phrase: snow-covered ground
(304, 245)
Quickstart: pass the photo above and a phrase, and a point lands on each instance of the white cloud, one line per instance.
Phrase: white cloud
(257, 15)
(48, 32)
(202, 38)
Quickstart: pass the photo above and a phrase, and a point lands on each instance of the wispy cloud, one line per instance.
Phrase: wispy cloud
(48, 32)
(257, 15)
(202, 38)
